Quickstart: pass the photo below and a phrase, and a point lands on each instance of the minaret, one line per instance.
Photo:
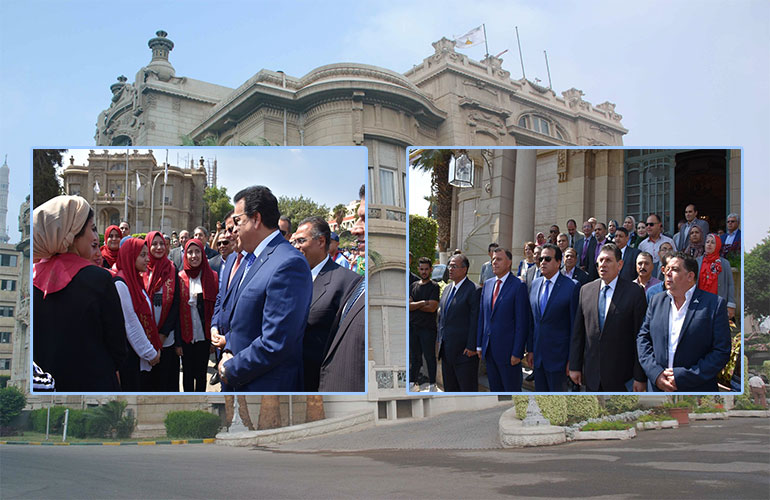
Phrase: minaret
(4, 172)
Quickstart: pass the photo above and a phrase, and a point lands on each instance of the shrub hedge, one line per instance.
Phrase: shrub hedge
(554, 408)
(37, 419)
(621, 404)
(423, 235)
(12, 401)
(192, 424)
(582, 407)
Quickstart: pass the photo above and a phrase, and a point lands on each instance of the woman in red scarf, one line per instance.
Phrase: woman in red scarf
(715, 274)
(141, 331)
(76, 338)
(162, 285)
(198, 286)
(111, 246)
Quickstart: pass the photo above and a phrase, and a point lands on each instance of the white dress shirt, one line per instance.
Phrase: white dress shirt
(676, 322)
(197, 325)
(317, 269)
(257, 251)
(610, 293)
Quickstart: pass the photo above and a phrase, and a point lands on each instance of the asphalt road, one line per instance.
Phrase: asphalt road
(722, 459)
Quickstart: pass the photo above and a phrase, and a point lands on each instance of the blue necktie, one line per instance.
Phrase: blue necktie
(250, 258)
(602, 306)
(451, 296)
(544, 297)
(359, 291)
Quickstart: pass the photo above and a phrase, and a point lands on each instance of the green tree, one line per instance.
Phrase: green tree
(45, 180)
(12, 401)
(436, 161)
(757, 280)
(422, 238)
(217, 204)
(298, 208)
(339, 211)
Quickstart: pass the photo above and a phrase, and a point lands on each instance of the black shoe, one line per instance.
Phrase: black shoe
(214, 380)
(530, 377)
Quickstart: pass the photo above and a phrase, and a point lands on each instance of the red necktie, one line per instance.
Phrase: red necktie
(496, 292)
(235, 269)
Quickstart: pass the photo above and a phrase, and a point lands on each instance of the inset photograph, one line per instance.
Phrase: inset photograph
(199, 270)
(556, 270)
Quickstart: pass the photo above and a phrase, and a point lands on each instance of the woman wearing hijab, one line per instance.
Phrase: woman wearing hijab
(715, 274)
(695, 244)
(111, 246)
(198, 294)
(141, 330)
(76, 338)
(612, 228)
(162, 285)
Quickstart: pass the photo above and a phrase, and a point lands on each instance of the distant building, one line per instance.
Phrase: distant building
(181, 208)
(4, 175)
(20, 368)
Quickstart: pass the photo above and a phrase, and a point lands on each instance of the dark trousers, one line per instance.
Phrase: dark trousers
(502, 376)
(546, 381)
(195, 361)
(164, 377)
(422, 342)
(129, 372)
(459, 376)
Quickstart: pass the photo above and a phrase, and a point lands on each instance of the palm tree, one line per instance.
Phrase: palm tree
(269, 412)
(436, 161)
(339, 212)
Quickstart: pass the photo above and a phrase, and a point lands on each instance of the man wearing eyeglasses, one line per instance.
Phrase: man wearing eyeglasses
(224, 246)
(655, 238)
(267, 302)
(553, 300)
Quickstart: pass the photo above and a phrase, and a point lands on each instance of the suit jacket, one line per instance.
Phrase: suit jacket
(220, 320)
(629, 264)
(457, 324)
(704, 342)
(736, 240)
(267, 317)
(550, 330)
(502, 331)
(176, 257)
(329, 288)
(579, 275)
(344, 365)
(532, 274)
(586, 259)
(681, 241)
(608, 357)
(579, 238)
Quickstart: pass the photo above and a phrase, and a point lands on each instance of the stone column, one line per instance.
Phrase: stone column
(524, 201)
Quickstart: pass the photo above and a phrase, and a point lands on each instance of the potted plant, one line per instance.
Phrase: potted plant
(679, 409)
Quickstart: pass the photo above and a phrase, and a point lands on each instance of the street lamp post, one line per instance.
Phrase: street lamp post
(152, 197)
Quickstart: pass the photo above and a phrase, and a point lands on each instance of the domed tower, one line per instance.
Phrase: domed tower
(4, 173)
(160, 64)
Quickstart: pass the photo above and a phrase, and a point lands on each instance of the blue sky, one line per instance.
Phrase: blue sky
(681, 73)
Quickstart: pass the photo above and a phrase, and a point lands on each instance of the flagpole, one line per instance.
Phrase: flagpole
(521, 58)
(486, 45)
(136, 203)
(163, 198)
(125, 190)
(548, 69)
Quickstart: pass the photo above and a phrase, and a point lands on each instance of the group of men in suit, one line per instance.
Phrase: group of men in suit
(577, 316)
(287, 317)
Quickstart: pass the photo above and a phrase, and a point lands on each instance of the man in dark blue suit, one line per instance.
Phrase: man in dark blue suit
(270, 294)
(684, 341)
(553, 300)
(503, 323)
(331, 283)
(731, 240)
(457, 323)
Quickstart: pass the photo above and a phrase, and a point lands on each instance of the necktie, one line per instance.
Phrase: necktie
(353, 298)
(235, 269)
(584, 258)
(250, 258)
(603, 306)
(451, 296)
(544, 297)
(496, 292)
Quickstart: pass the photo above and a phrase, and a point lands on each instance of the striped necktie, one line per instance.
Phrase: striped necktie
(353, 298)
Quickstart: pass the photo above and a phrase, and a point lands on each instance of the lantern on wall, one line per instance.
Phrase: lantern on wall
(461, 171)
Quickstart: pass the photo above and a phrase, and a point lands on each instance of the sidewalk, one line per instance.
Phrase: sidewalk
(463, 430)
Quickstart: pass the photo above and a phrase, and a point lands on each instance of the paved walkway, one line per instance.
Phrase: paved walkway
(462, 430)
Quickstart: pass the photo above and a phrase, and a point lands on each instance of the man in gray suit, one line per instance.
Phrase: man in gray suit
(691, 216)
(176, 253)
(344, 362)
(331, 283)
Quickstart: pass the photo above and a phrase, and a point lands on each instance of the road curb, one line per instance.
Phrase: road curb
(113, 443)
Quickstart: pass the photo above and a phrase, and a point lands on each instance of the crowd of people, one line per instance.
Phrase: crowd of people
(279, 311)
(616, 308)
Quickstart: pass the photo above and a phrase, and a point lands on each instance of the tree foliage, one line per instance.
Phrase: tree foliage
(757, 280)
(45, 180)
(436, 161)
(339, 211)
(218, 205)
(12, 401)
(298, 208)
(422, 238)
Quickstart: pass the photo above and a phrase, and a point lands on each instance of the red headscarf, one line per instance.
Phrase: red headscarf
(160, 275)
(710, 268)
(209, 282)
(109, 255)
(53, 274)
(127, 271)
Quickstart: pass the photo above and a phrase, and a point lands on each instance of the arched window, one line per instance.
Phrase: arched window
(541, 125)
